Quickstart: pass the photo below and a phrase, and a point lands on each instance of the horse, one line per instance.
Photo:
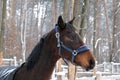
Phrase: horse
(61, 42)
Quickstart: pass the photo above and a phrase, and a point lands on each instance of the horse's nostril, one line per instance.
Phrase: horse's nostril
(92, 63)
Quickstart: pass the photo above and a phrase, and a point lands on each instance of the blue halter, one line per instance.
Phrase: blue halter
(61, 45)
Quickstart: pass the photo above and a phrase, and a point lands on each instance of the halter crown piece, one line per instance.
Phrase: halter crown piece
(61, 45)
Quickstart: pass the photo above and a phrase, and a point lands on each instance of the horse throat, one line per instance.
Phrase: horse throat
(45, 66)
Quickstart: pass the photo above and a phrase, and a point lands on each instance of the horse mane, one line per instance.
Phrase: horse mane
(35, 54)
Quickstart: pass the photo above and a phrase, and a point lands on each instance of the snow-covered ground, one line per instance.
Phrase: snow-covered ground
(105, 71)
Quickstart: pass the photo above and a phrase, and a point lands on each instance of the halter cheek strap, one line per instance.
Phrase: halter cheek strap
(60, 45)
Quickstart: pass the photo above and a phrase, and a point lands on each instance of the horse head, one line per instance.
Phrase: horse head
(70, 45)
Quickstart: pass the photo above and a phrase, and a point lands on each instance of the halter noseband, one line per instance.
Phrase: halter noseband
(61, 45)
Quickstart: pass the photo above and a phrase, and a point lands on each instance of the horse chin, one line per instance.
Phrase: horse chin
(86, 67)
(83, 66)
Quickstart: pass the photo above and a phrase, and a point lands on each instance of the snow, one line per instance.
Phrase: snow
(104, 71)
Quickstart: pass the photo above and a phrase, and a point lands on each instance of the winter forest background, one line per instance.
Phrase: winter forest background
(23, 22)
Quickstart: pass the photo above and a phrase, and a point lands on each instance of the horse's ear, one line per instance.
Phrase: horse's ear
(71, 22)
(60, 22)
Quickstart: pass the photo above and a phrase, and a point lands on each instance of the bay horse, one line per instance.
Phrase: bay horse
(61, 42)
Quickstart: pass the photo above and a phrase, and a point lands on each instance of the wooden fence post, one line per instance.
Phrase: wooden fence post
(15, 60)
(59, 64)
(71, 72)
(59, 68)
(98, 76)
(95, 69)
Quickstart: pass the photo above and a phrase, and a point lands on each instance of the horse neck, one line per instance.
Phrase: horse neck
(44, 67)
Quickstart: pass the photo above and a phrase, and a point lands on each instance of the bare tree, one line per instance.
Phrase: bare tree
(2, 28)
(66, 8)
(0, 12)
(95, 26)
(54, 11)
(116, 18)
(76, 13)
(23, 30)
(83, 17)
(11, 35)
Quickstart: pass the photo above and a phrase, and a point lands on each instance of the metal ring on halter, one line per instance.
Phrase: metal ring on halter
(57, 34)
(74, 52)
(58, 38)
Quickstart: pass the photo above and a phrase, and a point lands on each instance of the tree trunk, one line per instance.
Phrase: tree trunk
(2, 28)
(82, 23)
(66, 8)
(0, 12)
(12, 29)
(95, 26)
(76, 13)
(107, 24)
(114, 56)
(23, 31)
(38, 12)
(54, 12)
(0, 32)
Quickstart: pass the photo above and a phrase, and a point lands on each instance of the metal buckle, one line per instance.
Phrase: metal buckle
(58, 38)
(57, 34)
(58, 45)
(74, 52)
